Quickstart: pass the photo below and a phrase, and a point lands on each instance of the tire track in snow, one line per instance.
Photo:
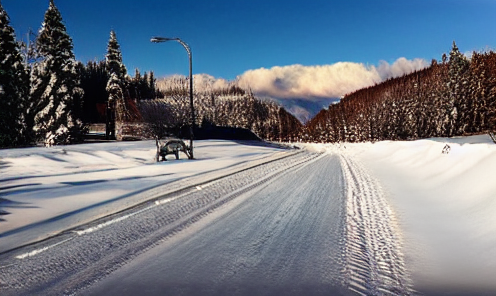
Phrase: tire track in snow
(374, 262)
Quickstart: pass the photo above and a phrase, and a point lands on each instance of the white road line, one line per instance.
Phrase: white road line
(36, 252)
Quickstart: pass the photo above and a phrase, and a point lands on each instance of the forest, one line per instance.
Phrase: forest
(454, 97)
(48, 98)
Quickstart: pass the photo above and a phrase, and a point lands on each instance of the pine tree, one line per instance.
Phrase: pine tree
(457, 100)
(114, 57)
(55, 92)
(151, 85)
(94, 80)
(14, 85)
(116, 108)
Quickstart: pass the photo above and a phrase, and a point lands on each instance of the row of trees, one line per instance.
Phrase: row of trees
(452, 98)
(94, 79)
(225, 107)
(47, 96)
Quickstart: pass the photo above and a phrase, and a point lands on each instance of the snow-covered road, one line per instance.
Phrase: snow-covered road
(310, 223)
(387, 218)
(281, 238)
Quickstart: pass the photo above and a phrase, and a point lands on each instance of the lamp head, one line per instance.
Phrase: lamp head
(161, 39)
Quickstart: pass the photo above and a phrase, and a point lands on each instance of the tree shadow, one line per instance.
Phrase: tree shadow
(4, 164)
(7, 203)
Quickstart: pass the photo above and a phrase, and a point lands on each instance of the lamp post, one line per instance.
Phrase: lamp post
(188, 50)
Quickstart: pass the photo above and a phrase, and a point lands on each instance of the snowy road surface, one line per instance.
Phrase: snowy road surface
(310, 223)
(280, 238)
(387, 218)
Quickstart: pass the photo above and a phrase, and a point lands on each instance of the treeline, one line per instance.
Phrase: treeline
(94, 79)
(47, 96)
(225, 107)
(455, 97)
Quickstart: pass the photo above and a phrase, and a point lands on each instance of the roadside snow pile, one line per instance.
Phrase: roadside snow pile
(46, 190)
(446, 203)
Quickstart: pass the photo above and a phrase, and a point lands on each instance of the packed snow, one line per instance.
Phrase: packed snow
(428, 203)
(445, 204)
(48, 190)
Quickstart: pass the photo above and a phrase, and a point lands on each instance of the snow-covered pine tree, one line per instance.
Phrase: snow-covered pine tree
(475, 115)
(115, 103)
(55, 92)
(114, 57)
(14, 85)
(116, 107)
(457, 83)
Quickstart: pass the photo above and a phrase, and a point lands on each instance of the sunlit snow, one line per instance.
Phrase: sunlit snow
(48, 190)
(442, 204)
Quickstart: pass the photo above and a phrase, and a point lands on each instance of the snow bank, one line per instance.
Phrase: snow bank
(47, 190)
(446, 203)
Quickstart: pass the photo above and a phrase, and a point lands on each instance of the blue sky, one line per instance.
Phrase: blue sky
(303, 53)
(229, 37)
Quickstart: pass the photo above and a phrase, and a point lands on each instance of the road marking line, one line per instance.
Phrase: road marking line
(36, 252)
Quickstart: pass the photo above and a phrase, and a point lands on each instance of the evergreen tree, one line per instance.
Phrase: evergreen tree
(116, 85)
(457, 100)
(94, 80)
(144, 86)
(114, 57)
(55, 92)
(137, 74)
(151, 85)
(14, 85)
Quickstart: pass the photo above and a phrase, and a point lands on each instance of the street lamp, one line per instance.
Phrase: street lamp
(188, 50)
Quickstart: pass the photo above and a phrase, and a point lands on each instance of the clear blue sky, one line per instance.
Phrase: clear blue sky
(229, 37)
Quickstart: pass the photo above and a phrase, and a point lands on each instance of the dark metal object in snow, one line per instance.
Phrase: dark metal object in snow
(172, 146)
(493, 137)
(446, 149)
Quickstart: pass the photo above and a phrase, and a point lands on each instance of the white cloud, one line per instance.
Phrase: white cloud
(204, 82)
(311, 83)
(400, 67)
(201, 82)
(326, 81)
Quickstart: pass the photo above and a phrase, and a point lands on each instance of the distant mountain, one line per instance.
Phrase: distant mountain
(304, 109)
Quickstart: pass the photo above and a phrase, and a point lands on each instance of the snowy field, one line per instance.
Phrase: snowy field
(425, 218)
(48, 190)
(445, 204)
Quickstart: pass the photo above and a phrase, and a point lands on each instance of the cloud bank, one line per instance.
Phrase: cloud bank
(304, 90)
(325, 81)
(205, 82)
(311, 83)
(201, 82)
